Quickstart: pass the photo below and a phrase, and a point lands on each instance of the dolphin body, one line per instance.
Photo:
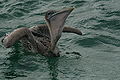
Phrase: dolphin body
(42, 38)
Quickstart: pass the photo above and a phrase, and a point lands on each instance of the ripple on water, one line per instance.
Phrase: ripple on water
(78, 3)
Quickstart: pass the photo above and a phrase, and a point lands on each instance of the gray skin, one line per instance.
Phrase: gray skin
(42, 38)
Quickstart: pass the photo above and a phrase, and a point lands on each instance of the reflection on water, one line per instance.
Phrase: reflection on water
(53, 68)
(12, 63)
(19, 64)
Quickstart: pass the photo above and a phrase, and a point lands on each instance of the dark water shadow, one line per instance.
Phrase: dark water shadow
(19, 64)
(12, 63)
(53, 67)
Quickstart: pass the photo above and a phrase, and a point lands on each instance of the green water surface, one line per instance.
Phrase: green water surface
(99, 20)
